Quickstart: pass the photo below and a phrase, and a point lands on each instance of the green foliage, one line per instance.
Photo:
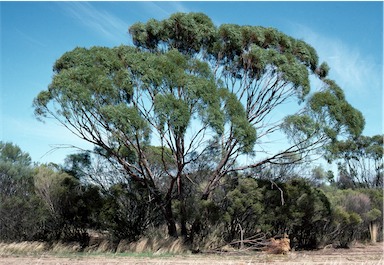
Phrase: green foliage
(323, 70)
(20, 209)
(255, 55)
(248, 50)
(46, 203)
(297, 209)
(300, 127)
(327, 118)
(126, 213)
(360, 161)
(373, 215)
(188, 33)
(242, 130)
(127, 121)
(157, 155)
(243, 208)
(189, 90)
(174, 111)
(70, 207)
(77, 164)
(320, 177)
(10, 153)
(235, 39)
(76, 72)
(336, 113)
(353, 210)
(274, 208)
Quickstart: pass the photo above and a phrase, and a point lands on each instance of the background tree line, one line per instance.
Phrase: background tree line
(65, 202)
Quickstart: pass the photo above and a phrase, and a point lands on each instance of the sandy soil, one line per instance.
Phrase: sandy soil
(360, 254)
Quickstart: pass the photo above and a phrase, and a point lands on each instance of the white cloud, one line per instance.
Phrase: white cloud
(112, 27)
(179, 7)
(350, 68)
(163, 10)
(99, 21)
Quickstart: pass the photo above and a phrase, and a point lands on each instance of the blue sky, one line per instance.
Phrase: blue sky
(347, 35)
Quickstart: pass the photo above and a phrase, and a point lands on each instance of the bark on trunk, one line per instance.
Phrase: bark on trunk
(171, 223)
(183, 220)
(373, 228)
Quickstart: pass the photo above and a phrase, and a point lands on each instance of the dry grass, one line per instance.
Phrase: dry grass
(278, 246)
(155, 245)
(37, 248)
(33, 253)
(24, 248)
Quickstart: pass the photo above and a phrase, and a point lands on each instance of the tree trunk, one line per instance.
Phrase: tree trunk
(183, 219)
(195, 229)
(183, 209)
(373, 231)
(241, 236)
(169, 218)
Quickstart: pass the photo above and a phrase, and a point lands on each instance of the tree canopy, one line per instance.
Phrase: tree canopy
(195, 90)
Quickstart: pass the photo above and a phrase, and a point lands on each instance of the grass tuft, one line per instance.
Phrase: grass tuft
(22, 248)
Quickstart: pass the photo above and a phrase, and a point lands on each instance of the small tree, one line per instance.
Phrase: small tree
(21, 211)
(126, 212)
(72, 207)
(242, 209)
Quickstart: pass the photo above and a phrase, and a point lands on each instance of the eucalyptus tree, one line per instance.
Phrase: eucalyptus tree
(195, 90)
(360, 161)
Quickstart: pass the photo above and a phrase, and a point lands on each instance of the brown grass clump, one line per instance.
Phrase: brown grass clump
(32, 248)
(278, 246)
(156, 241)
(22, 248)
(155, 245)
(65, 248)
(104, 246)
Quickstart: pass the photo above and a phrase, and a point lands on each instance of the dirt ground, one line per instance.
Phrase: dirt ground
(360, 254)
